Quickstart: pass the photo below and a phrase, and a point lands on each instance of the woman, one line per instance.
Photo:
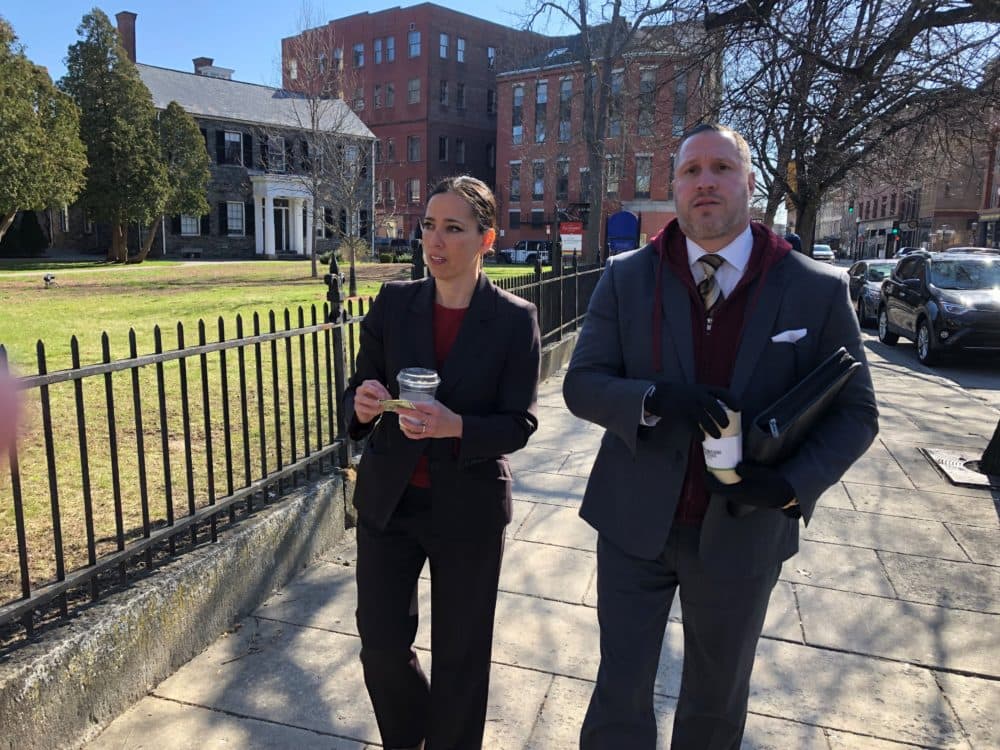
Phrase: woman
(434, 482)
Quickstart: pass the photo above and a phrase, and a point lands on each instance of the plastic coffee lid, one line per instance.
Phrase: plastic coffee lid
(418, 378)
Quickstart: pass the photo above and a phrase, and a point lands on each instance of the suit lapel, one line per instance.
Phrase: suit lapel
(421, 324)
(473, 336)
(676, 335)
(758, 327)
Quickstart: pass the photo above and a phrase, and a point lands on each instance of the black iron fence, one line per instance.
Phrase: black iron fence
(125, 463)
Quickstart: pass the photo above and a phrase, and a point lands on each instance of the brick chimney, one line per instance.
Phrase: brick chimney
(126, 30)
(202, 62)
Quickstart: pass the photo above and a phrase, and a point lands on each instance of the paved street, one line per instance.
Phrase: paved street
(884, 632)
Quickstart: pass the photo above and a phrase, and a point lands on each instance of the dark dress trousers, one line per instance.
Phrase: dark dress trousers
(490, 378)
(725, 567)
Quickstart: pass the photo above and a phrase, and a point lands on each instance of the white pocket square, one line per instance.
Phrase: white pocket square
(789, 337)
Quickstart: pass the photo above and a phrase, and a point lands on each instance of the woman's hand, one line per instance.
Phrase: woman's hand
(429, 419)
(367, 400)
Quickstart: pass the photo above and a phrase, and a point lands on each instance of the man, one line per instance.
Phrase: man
(713, 309)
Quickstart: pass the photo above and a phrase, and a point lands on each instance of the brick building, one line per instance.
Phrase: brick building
(261, 202)
(423, 79)
(543, 175)
(988, 230)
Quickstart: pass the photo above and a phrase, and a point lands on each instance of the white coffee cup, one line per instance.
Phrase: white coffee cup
(417, 383)
(723, 454)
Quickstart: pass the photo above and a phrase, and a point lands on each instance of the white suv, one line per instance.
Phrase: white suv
(824, 253)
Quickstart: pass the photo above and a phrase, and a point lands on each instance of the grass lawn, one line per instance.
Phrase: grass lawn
(91, 298)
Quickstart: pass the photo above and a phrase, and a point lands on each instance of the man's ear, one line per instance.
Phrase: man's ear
(752, 183)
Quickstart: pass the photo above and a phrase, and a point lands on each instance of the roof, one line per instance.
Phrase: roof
(223, 99)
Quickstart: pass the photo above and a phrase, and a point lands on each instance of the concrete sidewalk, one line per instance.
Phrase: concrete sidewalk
(884, 632)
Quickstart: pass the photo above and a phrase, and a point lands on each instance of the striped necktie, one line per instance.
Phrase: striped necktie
(708, 288)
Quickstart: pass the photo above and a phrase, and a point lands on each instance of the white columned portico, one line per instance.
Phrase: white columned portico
(310, 239)
(258, 210)
(295, 233)
(269, 225)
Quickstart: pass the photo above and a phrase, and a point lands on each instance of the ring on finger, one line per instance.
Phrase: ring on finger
(423, 427)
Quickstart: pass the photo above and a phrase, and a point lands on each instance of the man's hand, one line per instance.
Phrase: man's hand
(762, 486)
(367, 400)
(697, 406)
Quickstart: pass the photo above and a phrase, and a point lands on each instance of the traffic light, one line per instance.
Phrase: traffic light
(850, 207)
(895, 229)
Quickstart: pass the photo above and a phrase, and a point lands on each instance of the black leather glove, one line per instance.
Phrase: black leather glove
(695, 405)
(762, 486)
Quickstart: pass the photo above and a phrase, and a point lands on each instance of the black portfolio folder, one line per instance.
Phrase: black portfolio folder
(778, 430)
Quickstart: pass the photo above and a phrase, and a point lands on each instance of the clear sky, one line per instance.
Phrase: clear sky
(241, 34)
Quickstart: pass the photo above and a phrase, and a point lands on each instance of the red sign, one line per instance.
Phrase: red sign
(571, 227)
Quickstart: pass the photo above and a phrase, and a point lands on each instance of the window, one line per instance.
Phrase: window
(442, 148)
(443, 44)
(517, 122)
(321, 223)
(377, 95)
(491, 101)
(460, 50)
(190, 225)
(389, 192)
(276, 153)
(293, 69)
(390, 150)
(460, 95)
(491, 57)
(64, 218)
(234, 217)
(377, 51)
(338, 58)
(390, 95)
(234, 147)
(612, 166)
(390, 48)
(616, 104)
(892, 204)
(562, 179)
(585, 185)
(443, 94)
(565, 109)
(413, 147)
(537, 217)
(643, 175)
(413, 39)
(359, 98)
(541, 104)
(413, 91)
(88, 225)
(491, 155)
(538, 180)
(378, 151)
(647, 101)
(460, 151)
(321, 63)
(514, 219)
(359, 55)
(515, 181)
(413, 190)
(680, 105)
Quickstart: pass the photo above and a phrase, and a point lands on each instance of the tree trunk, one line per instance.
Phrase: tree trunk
(990, 462)
(774, 199)
(311, 240)
(118, 250)
(805, 225)
(6, 220)
(148, 244)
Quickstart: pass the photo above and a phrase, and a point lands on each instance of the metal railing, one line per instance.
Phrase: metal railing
(125, 463)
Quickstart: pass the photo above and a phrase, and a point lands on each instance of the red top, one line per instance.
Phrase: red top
(447, 321)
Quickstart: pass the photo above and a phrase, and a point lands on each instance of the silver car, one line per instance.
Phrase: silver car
(866, 277)
(823, 253)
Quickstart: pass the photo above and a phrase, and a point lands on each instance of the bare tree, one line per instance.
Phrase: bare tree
(334, 157)
(826, 89)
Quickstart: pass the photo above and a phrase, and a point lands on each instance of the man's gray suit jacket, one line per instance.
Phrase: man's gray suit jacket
(637, 476)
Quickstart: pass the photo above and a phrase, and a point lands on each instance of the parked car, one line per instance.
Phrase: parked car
(823, 253)
(525, 251)
(907, 250)
(866, 277)
(945, 302)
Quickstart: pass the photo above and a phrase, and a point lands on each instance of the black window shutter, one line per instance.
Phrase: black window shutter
(206, 225)
(223, 219)
(248, 150)
(289, 155)
(175, 224)
(250, 216)
(304, 151)
(204, 134)
(220, 147)
(263, 152)
(327, 220)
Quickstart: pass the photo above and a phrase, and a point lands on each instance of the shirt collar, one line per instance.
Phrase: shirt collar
(736, 253)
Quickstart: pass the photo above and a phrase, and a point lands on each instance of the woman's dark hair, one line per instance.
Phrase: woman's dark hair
(474, 192)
